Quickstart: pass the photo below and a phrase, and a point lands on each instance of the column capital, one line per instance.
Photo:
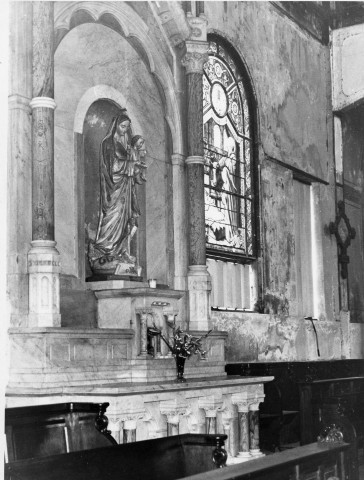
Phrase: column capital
(241, 401)
(196, 56)
(254, 404)
(211, 405)
(114, 420)
(131, 416)
(42, 102)
(174, 409)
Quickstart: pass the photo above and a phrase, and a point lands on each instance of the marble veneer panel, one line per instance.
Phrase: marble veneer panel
(117, 302)
(50, 355)
(44, 358)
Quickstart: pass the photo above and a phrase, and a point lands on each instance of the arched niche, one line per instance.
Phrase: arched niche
(97, 70)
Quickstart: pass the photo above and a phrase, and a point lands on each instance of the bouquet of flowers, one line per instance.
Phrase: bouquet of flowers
(184, 344)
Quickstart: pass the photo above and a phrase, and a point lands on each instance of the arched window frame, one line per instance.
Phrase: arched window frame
(234, 114)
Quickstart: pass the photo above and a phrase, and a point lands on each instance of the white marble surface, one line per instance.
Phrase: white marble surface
(148, 407)
(44, 358)
(232, 384)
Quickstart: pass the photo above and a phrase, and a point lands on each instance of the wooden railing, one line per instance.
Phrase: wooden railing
(182, 456)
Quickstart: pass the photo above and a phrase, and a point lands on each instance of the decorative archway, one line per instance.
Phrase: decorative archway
(123, 19)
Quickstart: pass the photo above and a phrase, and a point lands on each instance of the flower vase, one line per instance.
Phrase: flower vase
(180, 364)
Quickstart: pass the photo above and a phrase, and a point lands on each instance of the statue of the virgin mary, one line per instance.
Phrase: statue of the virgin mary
(121, 167)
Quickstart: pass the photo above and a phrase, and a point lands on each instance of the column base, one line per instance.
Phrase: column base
(199, 289)
(44, 268)
(244, 455)
(238, 459)
(256, 453)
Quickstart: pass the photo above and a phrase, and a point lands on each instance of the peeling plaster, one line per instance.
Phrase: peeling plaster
(262, 337)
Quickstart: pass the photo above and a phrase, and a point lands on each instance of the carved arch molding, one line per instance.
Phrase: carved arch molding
(124, 20)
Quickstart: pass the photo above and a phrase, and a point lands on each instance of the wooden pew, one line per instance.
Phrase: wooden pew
(162, 458)
(183, 456)
(306, 386)
(38, 431)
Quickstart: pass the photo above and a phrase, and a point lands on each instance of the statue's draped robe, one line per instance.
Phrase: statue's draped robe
(119, 206)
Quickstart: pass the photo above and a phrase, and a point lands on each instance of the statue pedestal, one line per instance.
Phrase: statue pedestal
(119, 301)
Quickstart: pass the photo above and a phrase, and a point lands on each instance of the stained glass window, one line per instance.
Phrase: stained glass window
(228, 150)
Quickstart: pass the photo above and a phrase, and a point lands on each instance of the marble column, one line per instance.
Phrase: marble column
(43, 257)
(130, 418)
(227, 419)
(115, 426)
(143, 315)
(19, 165)
(173, 410)
(199, 280)
(180, 221)
(211, 406)
(242, 403)
(254, 428)
(129, 431)
(170, 318)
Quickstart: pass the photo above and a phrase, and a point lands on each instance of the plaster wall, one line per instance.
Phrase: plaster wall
(289, 72)
(262, 337)
(279, 280)
(353, 172)
(89, 56)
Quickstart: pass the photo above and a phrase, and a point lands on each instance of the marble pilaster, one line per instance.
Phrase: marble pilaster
(227, 420)
(19, 165)
(242, 402)
(254, 427)
(43, 257)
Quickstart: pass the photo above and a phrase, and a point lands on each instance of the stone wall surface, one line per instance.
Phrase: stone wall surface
(289, 71)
